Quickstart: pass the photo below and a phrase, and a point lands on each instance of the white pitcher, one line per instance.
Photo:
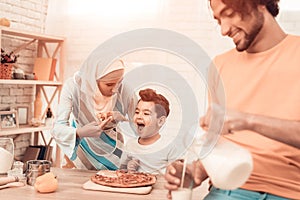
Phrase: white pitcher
(6, 154)
(228, 165)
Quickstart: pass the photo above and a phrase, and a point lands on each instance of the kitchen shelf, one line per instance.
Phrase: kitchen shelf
(30, 35)
(30, 82)
(23, 129)
(42, 41)
(48, 46)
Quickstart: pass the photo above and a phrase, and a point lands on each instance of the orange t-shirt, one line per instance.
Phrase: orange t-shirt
(266, 83)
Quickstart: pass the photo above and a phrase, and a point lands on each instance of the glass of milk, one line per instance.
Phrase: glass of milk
(6, 154)
(182, 194)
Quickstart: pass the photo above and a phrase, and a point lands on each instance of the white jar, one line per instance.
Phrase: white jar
(6, 154)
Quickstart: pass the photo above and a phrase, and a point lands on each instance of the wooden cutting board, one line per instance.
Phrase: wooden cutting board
(89, 185)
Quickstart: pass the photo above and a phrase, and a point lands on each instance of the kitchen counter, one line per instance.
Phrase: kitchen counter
(70, 183)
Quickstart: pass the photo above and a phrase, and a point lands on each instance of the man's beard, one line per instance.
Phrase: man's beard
(250, 37)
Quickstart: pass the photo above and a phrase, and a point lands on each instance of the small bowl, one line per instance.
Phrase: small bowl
(35, 122)
(18, 75)
(29, 76)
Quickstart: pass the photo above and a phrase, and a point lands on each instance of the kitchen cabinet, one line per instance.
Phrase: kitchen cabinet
(47, 46)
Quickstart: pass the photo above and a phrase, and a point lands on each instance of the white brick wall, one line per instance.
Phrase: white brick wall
(84, 33)
(289, 20)
(27, 15)
(192, 18)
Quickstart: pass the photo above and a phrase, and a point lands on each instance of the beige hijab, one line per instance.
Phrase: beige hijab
(91, 99)
(103, 104)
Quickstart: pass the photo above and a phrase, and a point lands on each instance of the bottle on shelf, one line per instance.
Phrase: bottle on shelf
(49, 117)
(38, 104)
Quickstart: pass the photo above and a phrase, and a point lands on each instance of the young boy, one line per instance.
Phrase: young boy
(150, 152)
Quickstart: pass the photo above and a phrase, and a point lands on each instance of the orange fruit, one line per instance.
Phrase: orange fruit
(46, 183)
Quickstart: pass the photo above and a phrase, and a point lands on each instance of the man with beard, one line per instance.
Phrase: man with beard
(256, 89)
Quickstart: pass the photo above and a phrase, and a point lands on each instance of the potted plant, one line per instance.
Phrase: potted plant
(7, 61)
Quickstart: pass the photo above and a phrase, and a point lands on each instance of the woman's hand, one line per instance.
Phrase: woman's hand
(117, 116)
(194, 175)
(92, 129)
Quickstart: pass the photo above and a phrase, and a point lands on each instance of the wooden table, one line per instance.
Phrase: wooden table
(70, 187)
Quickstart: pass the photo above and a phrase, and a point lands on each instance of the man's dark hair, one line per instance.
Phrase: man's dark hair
(245, 6)
(161, 103)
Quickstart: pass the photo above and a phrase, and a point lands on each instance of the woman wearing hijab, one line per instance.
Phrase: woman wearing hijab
(90, 142)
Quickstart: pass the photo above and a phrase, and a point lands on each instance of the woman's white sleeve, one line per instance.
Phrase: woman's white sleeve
(63, 133)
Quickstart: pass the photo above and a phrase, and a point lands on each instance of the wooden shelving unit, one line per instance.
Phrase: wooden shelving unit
(43, 41)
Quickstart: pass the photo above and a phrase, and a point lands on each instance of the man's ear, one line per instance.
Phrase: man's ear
(161, 121)
(262, 8)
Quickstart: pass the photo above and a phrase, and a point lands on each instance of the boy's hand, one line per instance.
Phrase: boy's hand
(133, 165)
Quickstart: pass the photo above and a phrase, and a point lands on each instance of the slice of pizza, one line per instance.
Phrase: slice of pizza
(123, 179)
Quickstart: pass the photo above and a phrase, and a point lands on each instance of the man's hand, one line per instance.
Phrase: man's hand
(232, 120)
(92, 129)
(194, 175)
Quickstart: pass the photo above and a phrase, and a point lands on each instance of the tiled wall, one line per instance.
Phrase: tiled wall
(27, 15)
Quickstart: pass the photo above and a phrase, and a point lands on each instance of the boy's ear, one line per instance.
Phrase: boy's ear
(162, 121)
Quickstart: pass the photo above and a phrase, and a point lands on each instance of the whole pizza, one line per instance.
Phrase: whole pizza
(123, 179)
